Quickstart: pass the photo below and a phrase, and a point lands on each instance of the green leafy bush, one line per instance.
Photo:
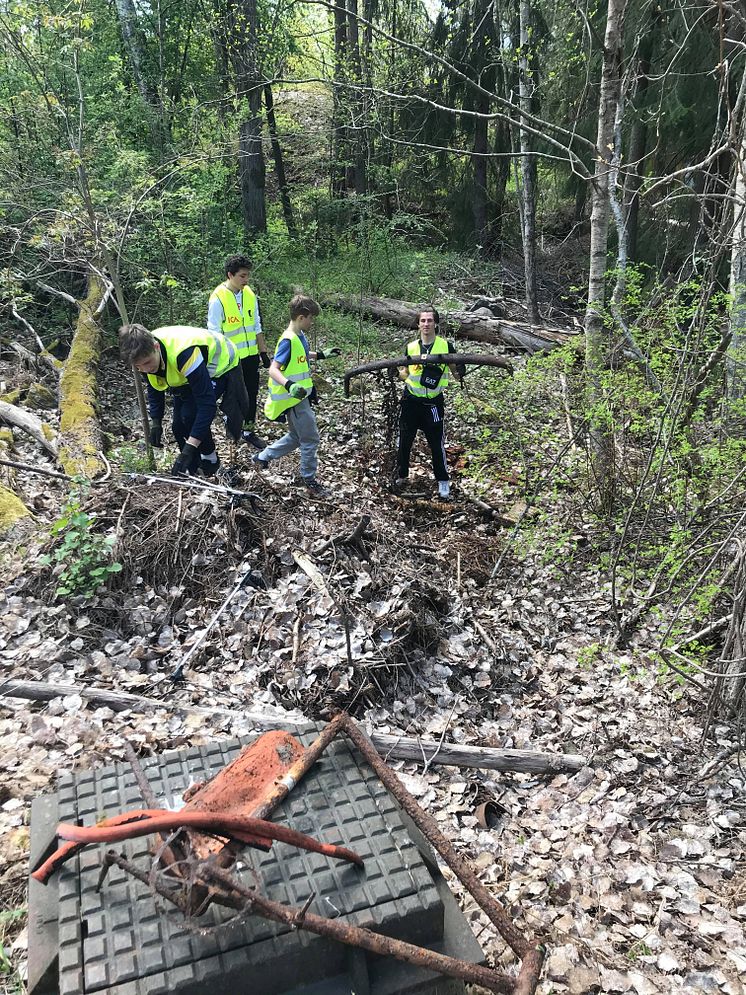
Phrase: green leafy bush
(82, 557)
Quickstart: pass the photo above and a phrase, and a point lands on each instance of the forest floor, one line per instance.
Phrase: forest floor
(631, 871)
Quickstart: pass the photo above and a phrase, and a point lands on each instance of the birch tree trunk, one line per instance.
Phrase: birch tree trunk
(528, 163)
(736, 357)
(135, 46)
(597, 344)
(737, 351)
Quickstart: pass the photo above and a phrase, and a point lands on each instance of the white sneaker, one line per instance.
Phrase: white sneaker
(444, 488)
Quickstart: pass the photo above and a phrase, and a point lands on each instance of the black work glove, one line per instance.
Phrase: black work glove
(187, 460)
(265, 360)
(156, 433)
(320, 354)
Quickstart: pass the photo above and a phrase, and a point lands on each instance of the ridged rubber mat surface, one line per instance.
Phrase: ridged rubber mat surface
(116, 941)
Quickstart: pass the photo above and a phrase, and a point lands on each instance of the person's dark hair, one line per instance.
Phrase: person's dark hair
(234, 263)
(135, 342)
(301, 305)
(424, 310)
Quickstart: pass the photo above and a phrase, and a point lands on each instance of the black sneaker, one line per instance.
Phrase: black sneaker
(258, 463)
(209, 468)
(252, 439)
(315, 487)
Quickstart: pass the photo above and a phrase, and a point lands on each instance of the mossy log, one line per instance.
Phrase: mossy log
(80, 432)
(12, 509)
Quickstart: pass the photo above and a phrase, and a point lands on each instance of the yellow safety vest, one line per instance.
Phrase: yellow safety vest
(220, 354)
(296, 370)
(440, 347)
(239, 326)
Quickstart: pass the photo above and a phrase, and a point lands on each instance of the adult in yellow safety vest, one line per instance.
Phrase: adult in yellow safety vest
(233, 310)
(290, 392)
(422, 406)
(198, 368)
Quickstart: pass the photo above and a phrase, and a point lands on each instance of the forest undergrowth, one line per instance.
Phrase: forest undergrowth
(552, 627)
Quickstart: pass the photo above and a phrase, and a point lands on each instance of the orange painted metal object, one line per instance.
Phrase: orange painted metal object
(145, 822)
(229, 807)
(243, 788)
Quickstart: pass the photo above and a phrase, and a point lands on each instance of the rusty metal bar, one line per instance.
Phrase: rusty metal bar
(175, 852)
(497, 914)
(148, 796)
(528, 976)
(112, 857)
(358, 936)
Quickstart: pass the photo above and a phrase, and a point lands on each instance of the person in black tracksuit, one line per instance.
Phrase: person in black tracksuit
(422, 407)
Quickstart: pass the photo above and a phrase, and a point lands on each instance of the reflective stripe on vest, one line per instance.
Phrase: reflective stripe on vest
(296, 370)
(440, 347)
(239, 326)
(220, 353)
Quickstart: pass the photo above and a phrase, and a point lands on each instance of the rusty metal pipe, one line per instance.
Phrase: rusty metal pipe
(357, 936)
(63, 853)
(497, 914)
(224, 824)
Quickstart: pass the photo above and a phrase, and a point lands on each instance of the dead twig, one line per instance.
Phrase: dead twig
(178, 673)
(35, 469)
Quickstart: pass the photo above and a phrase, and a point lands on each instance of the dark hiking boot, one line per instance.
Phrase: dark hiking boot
(252, 439)
(209, 468)
(315, 487)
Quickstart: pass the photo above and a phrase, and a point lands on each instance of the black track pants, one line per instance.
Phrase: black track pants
(250, 370)
(427, 416)
(185, 411)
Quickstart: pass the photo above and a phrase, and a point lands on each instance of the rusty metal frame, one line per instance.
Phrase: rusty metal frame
(212, 882)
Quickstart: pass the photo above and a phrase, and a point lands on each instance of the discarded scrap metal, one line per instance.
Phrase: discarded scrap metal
(229, 812)
(441, 359)
(196, 483)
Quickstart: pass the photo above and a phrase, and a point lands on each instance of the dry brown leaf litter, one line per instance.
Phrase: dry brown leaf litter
(632, 870)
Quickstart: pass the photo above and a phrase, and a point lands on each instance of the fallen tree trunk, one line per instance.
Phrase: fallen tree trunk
(452, 358)
(121, 701)
(390, 747)
(476, 326)
(44, 434)
(484, 757)
(80, 433)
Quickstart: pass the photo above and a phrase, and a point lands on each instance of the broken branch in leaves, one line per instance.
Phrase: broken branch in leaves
(390, 747)
(33, 426)
(451, 359)
(481, 325)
